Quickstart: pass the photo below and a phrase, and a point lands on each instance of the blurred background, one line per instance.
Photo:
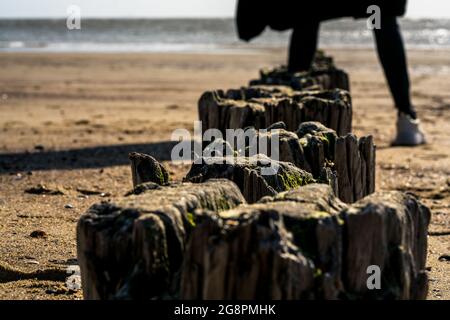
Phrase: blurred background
(188, 26)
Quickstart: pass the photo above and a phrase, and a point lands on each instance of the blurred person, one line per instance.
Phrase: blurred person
(304, 19)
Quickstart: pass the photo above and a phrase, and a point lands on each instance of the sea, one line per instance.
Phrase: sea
(195, 35)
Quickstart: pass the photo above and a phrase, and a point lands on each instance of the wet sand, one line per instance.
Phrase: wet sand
(68, 121)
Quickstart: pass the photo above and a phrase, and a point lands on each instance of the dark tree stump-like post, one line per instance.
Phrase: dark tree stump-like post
(305, 243)
(133, 248)
(145, 168)
(247, 174)
(261, 106)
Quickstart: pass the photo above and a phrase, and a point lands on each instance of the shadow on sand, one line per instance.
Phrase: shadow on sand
(83, 158)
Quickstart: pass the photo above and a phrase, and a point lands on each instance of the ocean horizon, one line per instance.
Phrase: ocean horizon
(195, 35)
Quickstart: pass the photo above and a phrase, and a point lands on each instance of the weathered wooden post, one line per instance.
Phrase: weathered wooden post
(201, 239)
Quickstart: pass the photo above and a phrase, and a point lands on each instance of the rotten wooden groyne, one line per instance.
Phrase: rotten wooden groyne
(202, 241)
(323, 75)
(311, 230)
(261, 106)
(320, 150)
(346, 163)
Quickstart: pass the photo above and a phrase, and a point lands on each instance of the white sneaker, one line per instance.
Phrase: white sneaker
(408, 131)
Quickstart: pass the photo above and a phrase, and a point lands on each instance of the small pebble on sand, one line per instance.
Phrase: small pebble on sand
(38, 234)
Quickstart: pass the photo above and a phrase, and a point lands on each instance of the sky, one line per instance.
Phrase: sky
(167, 8)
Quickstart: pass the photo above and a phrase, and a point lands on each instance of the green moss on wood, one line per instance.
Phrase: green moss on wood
(191, 219)
(292, 180)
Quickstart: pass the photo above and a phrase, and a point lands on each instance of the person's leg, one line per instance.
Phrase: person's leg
(392, 55)
(393, 58)
(303, 46)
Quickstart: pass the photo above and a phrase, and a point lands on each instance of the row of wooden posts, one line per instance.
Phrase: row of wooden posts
(310, 231)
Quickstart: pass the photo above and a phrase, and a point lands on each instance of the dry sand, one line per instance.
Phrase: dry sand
(69, 120)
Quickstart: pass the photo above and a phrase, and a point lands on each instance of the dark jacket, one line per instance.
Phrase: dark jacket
(253, 16)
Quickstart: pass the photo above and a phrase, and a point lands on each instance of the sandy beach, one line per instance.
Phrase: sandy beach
(68, 121)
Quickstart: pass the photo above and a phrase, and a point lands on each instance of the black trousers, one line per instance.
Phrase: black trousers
(391, 53)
